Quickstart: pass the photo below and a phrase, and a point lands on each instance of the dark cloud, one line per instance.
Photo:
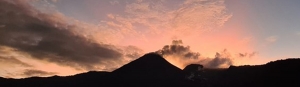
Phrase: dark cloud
(32, 72)
(222, 58)
(176, 48)
(13, 61)
(183, 55)
(247, 54)
(47, 37)
(252, 54)
(243, 54)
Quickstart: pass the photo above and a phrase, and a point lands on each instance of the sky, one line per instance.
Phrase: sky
(66, 37)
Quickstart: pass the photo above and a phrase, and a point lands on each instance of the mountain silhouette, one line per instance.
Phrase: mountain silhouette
(150, 62)
(152, 70)
(283, 73)
(146, 70)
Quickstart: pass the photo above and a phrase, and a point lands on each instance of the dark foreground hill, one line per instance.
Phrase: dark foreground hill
(281, 73)
(151, 70)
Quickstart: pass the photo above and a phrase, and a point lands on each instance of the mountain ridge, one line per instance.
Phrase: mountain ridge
(153, 70)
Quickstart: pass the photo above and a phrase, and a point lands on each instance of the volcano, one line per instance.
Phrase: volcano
(146, 70)
(149, 64)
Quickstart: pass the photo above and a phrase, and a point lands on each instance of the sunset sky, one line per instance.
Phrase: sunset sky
(65, 37)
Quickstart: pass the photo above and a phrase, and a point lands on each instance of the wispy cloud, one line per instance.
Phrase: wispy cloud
(271, 39)
(158, 19)
(249, 55)
(6, 61)
(32, 72)
(115, 2)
